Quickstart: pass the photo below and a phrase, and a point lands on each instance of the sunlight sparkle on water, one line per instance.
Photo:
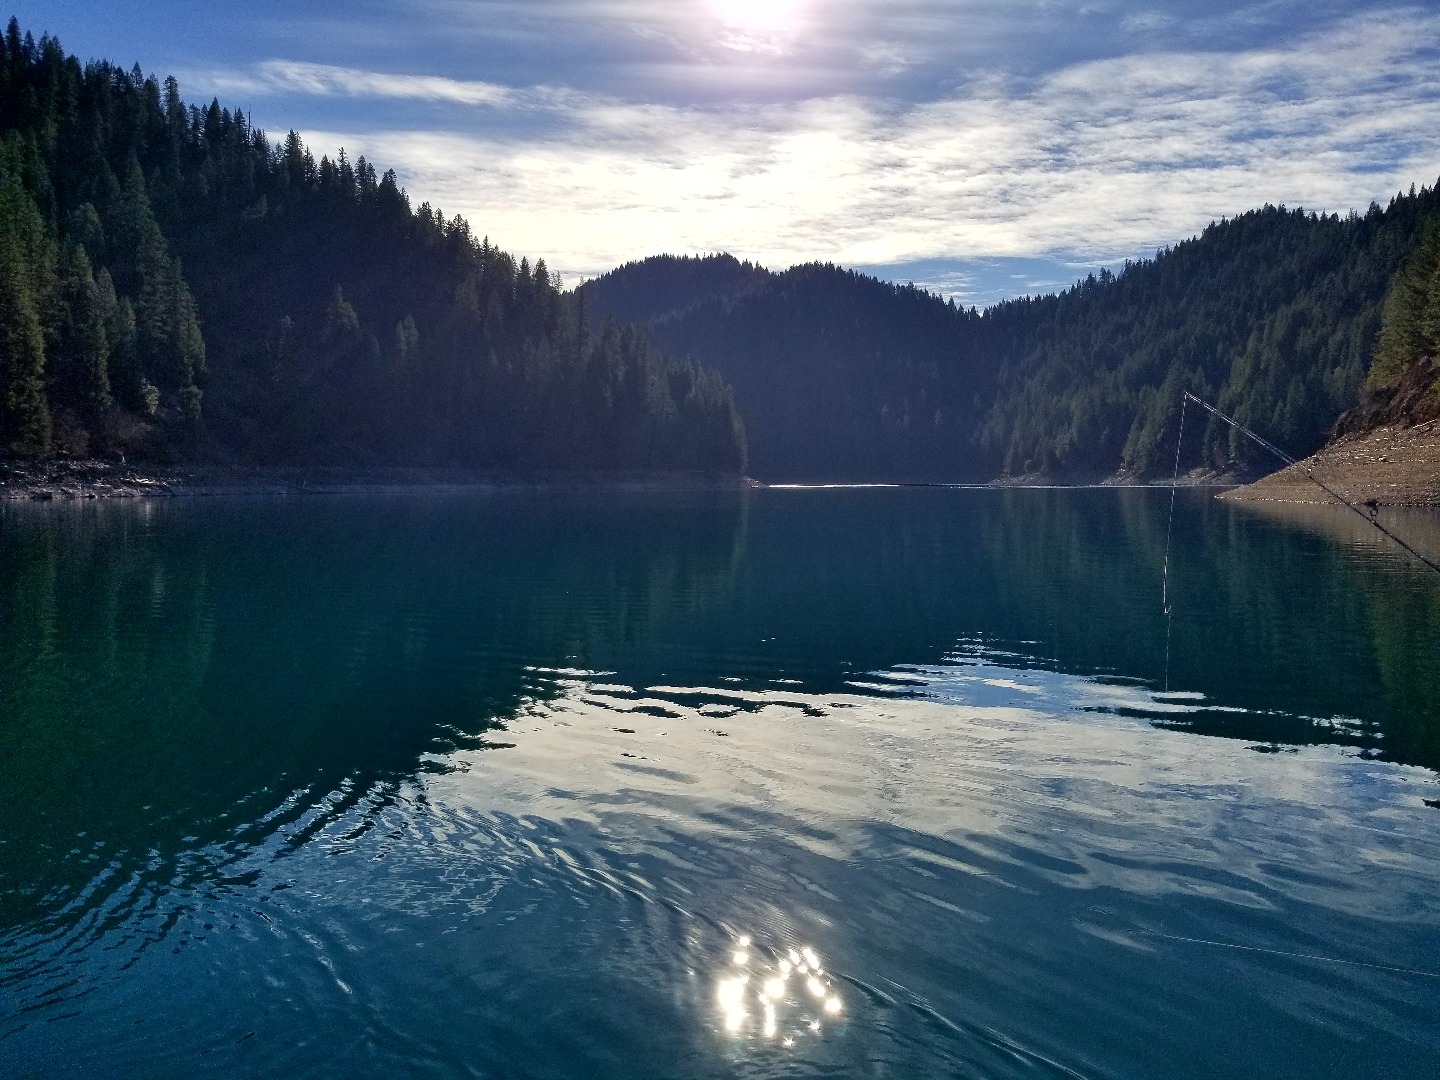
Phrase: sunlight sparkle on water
(778, 1008)
(731, 995)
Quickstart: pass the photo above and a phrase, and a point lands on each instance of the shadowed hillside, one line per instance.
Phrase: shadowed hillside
(174, 285)
(1273, 314)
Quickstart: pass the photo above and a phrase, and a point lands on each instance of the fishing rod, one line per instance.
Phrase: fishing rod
(1288, 460)
(1371, 518)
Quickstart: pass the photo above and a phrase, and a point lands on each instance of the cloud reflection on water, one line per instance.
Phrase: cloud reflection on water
(766, 717)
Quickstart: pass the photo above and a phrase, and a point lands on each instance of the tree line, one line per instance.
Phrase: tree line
(174, 285)
(1410, 329)
(1274, 315)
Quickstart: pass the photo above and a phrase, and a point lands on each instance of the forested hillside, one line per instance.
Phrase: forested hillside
(174, 285)
(1273, 314)
(1404, 384)
(838, 376)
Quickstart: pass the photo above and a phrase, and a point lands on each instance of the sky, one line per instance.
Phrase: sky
(979, 148)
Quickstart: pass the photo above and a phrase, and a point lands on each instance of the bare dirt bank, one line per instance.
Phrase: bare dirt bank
(1390, 466)
(47, 480)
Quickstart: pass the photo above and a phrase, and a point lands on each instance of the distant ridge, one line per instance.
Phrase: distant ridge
(1273, 314)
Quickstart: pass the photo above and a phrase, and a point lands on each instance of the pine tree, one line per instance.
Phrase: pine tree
(80, 358)
(1410, 327)
(342, 325)
(407, 340)
(25, 276)
(25, 415)
(187, 345)
(118, 316)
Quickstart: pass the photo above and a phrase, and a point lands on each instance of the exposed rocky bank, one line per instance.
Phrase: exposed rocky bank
(1387, 466)
(64, 479)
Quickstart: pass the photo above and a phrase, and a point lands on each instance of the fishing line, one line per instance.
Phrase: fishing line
(1370, 518)
(1361, 514)
(1170, 528)
(1297, 955)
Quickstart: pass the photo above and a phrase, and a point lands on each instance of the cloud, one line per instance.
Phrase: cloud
(982, 282)
(1093, 163)
(325, 80)
(885, 58)
(1147, 22)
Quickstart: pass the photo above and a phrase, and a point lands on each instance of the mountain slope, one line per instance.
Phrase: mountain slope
(1403, 388)
(1386, 450)
(1273, 314)
(839, 376)
(174, 285)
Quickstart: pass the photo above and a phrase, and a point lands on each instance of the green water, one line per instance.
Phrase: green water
(495, 785)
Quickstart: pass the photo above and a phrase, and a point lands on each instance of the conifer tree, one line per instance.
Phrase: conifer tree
(24, 413)
(1410, 330)
(118, 317)
(342, 325)
(79, 361)
(25, 273)
(150, 247)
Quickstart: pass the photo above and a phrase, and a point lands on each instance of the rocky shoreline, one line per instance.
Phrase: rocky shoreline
(1388, 466)
(44, 481)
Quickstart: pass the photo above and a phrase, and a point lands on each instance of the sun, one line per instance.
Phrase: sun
(759, 16)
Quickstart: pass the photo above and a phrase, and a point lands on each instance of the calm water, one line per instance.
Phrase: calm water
(559, 785)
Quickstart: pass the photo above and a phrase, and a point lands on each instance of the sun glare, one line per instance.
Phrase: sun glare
(759, 16)
(785, 1012)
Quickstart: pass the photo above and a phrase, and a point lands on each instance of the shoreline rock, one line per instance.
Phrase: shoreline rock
(1387, 466)
(46, 481)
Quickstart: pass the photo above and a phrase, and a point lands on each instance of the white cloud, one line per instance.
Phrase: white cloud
(1098, 161)
(884, 57)
(325, 80)
(1145, 22)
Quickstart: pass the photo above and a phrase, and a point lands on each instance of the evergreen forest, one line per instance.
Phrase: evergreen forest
(1273, 315)
(1404, 383)
(175, 286)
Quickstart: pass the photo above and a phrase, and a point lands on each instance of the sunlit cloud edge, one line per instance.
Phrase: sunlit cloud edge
(1098, 162)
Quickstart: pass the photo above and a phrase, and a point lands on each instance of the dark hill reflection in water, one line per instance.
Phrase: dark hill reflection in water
(461, 785)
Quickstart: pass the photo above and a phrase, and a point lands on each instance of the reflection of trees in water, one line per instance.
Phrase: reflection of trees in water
(164, 665)
(840, 584)
(1292, 628)
(179, 669)
(1399, 610)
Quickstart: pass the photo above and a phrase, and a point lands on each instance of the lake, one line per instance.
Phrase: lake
(779, 783)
